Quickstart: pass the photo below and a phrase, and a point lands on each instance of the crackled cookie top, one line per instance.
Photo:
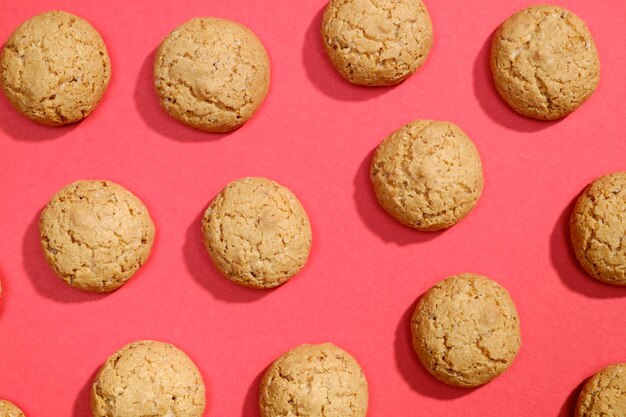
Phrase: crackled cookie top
(604, 395)
(8, 409)
(598, 229)
(148, 378)
(544, 62)
(427, 175)
(257, 233)
(466, 330)
(313, 381)
(211, 74)
(55, 68)
(96, 235)
(376, 43)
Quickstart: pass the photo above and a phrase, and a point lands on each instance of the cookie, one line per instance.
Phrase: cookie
(544, 62)
(8, 409)
(148, 378)
(604, 395)
(466, 330)
(95, 235)
(427, 175)
(257, 233)
(314, 380)
(376, 43)
(598, 227)
(55, 68)
(211, 74)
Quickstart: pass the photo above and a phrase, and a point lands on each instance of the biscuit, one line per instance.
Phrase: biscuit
(598, 227)
(95, 235)
(427, 175)
(314, 380)
(257, 233)
(55, 68)
(211, 74)
(376, 43)
(148, 378)
(8, 409)
(544, 62)
(604, 395)
(466, 330)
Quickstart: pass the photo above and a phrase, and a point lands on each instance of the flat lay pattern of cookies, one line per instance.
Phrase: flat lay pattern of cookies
(410, 209)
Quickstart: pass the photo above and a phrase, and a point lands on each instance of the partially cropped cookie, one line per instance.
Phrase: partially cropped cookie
(427, 175)
(55, 68)
(211, 74)
(376, 43)
(95, 235)
(314, 380)
(598, 227)
(604, 395)
(466, 330)
(544, 62)
(148, 378)
(8, 409)
(257, 233)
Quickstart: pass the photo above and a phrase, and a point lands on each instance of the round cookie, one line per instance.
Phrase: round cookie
(376, 43)
(148, 378)
(466, 330)
(211, 74)
(8, 409)
(55, 68)
(314, 380)
(427, 175)
(604, 395)
(544, 62)
(598, 227)
(257, 233)
(95, 235)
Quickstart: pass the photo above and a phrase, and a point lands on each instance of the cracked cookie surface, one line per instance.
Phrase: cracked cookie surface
(211, 74)
(466, 330)
(148, 378)
(376, 42)
(598, 229)
(427, 175)
(314, 381)
(257, 233)
(55, 68)
(604, 395)
(8, 409)
(95, 235)
(544, 62)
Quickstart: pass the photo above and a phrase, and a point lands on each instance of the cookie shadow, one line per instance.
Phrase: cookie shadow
(82, 404)
(569, 406)
(251, 402)
(567, 266)
(323, 75)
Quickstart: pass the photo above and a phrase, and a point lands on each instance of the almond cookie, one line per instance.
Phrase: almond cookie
(8, 409)
(544, 62)
(257, 233)
(314, 380)
(427, 175)
(95, 235)
(148, 378)
(211, 74)
(55, 68)
(376, 43)
(604, 395)
(598, 227)
(466, 330)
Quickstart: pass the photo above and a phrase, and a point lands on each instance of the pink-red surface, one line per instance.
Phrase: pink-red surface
(315, 133)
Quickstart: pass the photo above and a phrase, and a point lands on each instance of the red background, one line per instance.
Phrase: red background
(315, 134)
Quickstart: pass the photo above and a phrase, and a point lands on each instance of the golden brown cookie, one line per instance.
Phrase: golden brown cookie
(8, 409)
(376, 43)
(55, 68)
(96, 235)
(604, 395)
(211, 74)
(257, 233)
(314, 381)
(466, 330)
(544, 62)
(148, 378)
(598, 227)
(427, 175)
